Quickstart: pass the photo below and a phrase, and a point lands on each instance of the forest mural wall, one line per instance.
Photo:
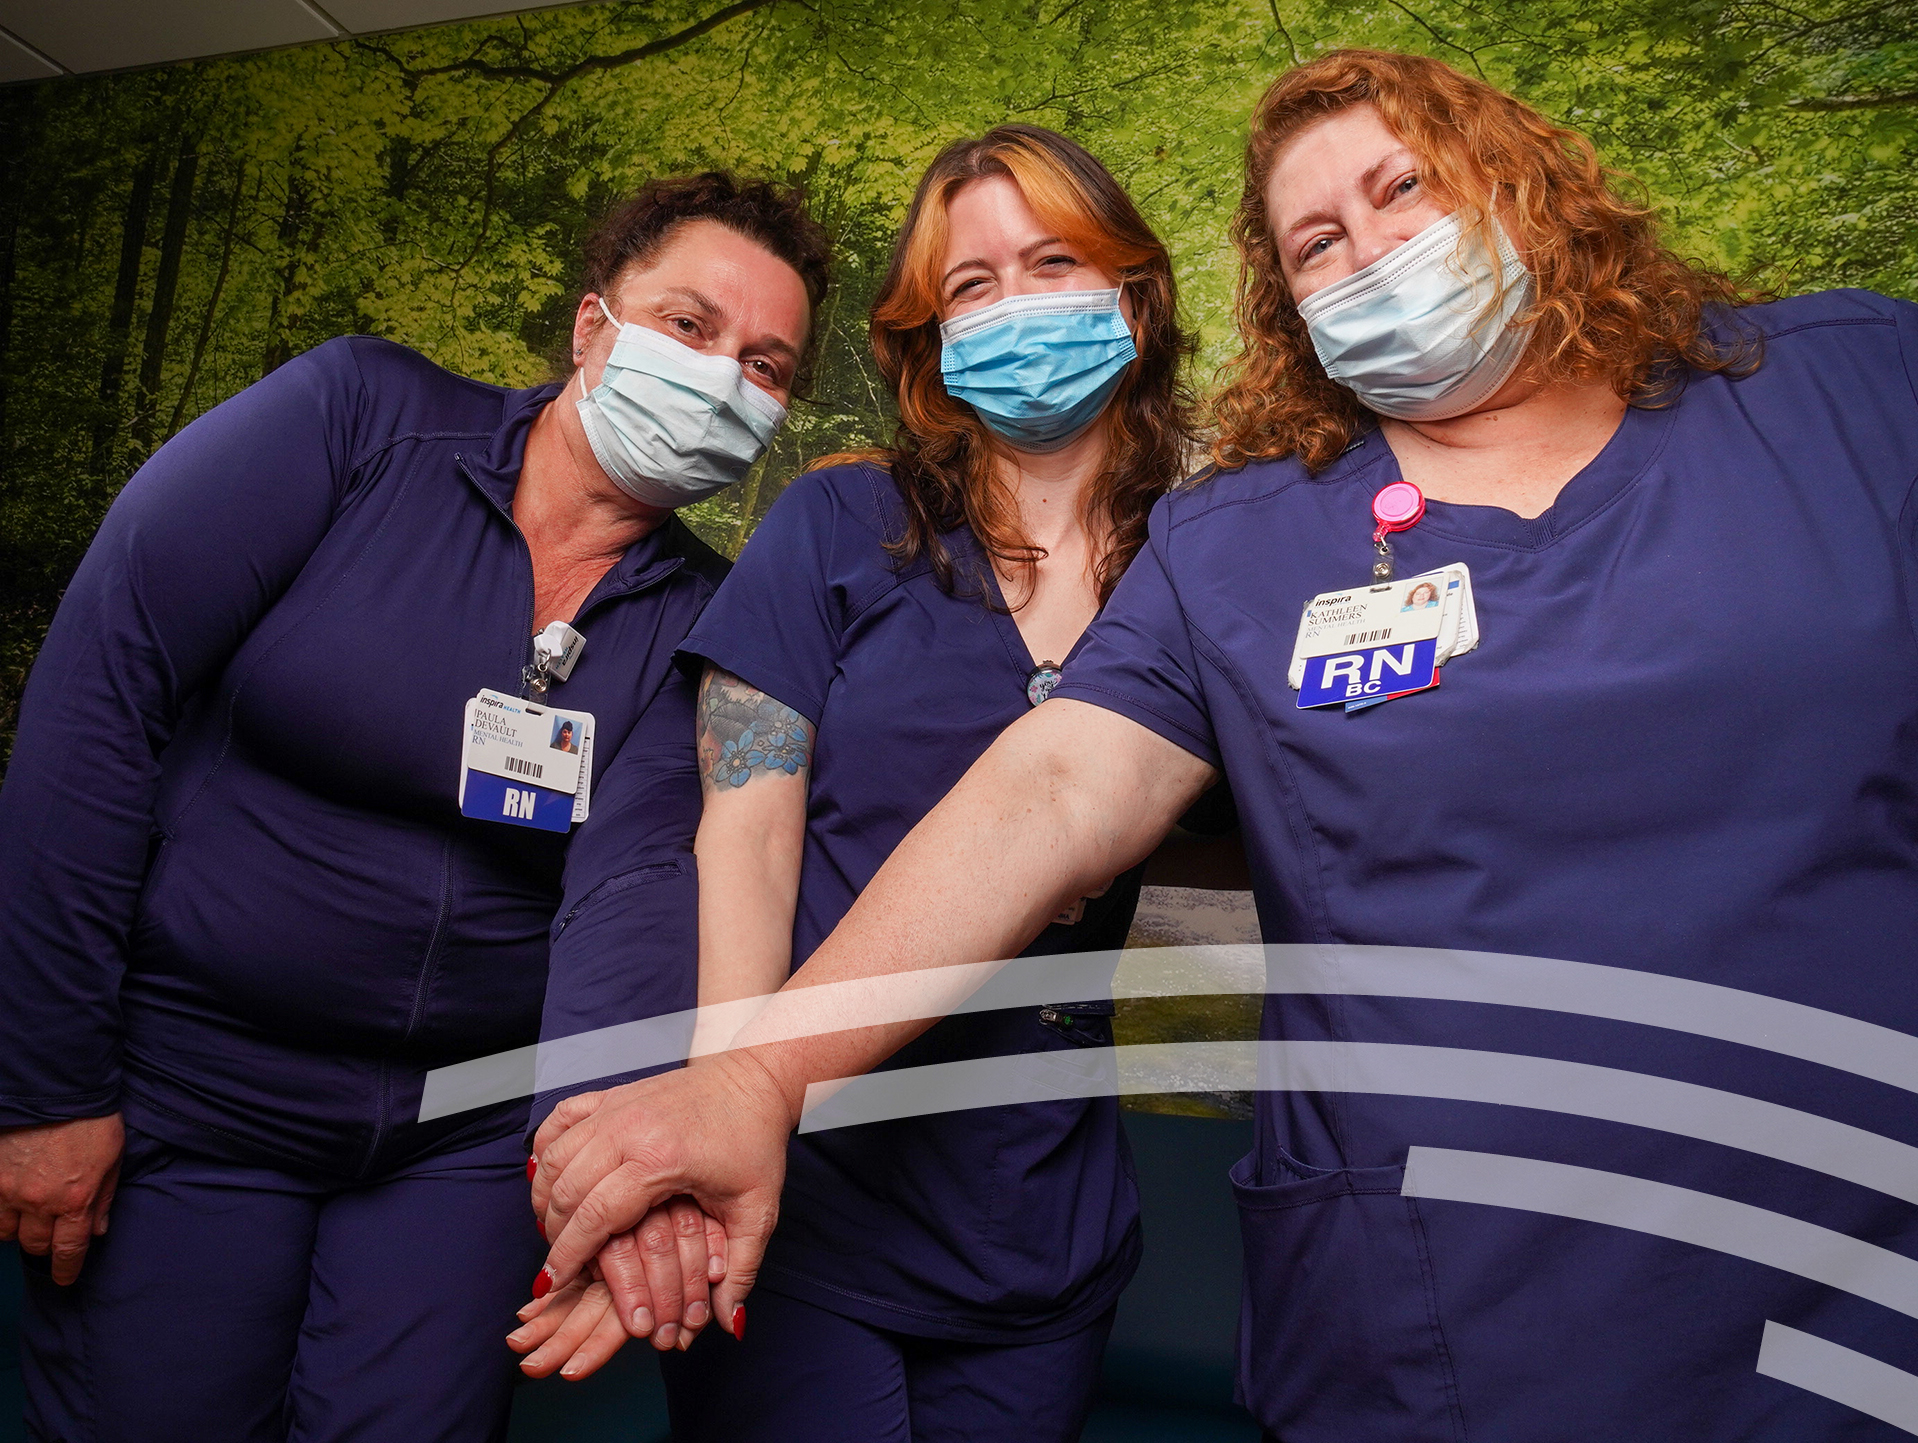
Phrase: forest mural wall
(168, 236)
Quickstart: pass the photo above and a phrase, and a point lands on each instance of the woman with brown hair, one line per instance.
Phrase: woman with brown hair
(283, 833)
(1588, 1082)
(952, 1277)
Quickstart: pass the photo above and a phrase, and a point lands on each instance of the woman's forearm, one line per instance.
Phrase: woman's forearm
(1067, 797)
(1064, 800)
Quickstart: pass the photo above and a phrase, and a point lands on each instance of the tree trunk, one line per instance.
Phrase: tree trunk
(212, 305)
(126, 290)
(748, 503)
(9, 232)
(12, 151)
(166, 283)
(292, 222)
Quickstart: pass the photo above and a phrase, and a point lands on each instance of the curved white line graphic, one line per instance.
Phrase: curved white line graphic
(1681, 1214)
(1453, 1073)
(1586, 989)
(1854, 1379)
(1704, 1220)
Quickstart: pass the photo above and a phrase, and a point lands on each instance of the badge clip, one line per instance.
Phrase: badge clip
(555, 651)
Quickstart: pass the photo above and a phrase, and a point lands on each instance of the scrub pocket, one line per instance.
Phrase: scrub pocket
(1339, 1336)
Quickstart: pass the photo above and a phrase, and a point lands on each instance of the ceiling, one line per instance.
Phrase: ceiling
(42, 38)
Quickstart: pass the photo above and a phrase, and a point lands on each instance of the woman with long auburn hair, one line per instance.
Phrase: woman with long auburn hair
(952, 465)
(954, 1276)
(1591, 1060)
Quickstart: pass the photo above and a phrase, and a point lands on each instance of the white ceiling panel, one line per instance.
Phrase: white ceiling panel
(115, 34)
(363, 16)
(19, 63)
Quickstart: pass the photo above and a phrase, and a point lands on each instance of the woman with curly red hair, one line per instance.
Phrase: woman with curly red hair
(1585, 299)
(1586, 1092)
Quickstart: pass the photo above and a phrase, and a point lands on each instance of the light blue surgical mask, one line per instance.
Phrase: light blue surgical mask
(1038, 368)
(1425, 332)
(670, 425)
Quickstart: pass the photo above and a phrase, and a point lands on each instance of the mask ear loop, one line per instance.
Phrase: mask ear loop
(580, 370)
(1132, 321)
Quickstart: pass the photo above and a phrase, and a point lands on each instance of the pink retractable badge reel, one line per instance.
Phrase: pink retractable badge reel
(1396, 508)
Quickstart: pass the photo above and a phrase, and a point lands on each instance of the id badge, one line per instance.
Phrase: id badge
(1373, 643)
(525, 764)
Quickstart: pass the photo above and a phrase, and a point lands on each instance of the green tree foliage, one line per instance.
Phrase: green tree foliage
(168, 237)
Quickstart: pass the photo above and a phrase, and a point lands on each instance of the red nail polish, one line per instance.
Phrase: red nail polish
(739, 1322)
(532, 1166)
(543, 1284)
(542, 1229)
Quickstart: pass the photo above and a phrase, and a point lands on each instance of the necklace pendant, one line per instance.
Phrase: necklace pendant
(1041, 680)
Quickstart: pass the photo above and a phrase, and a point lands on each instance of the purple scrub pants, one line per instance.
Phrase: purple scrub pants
(238, 1304)
(805, 1375)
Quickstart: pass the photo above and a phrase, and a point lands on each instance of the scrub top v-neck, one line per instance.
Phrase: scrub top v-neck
(985, 1225)
(1017, 645)
(1685, 753)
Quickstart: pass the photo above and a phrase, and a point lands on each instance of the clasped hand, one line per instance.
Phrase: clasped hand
(658, 1199)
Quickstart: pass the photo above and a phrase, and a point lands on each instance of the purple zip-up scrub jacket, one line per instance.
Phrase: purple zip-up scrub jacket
(240, 901)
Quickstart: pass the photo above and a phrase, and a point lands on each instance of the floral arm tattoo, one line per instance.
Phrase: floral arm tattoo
(743, 733)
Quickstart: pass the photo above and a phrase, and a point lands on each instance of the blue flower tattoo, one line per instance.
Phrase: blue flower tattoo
(743, 733)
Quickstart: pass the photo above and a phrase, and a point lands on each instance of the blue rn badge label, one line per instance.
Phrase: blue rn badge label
(1375, 671)
(495, 799)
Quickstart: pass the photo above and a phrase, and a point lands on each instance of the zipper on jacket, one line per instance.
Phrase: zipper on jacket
(671, 566)
(526, 551)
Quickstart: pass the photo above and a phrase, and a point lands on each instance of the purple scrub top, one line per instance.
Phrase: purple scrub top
(988, 1225)
(1686, 753)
